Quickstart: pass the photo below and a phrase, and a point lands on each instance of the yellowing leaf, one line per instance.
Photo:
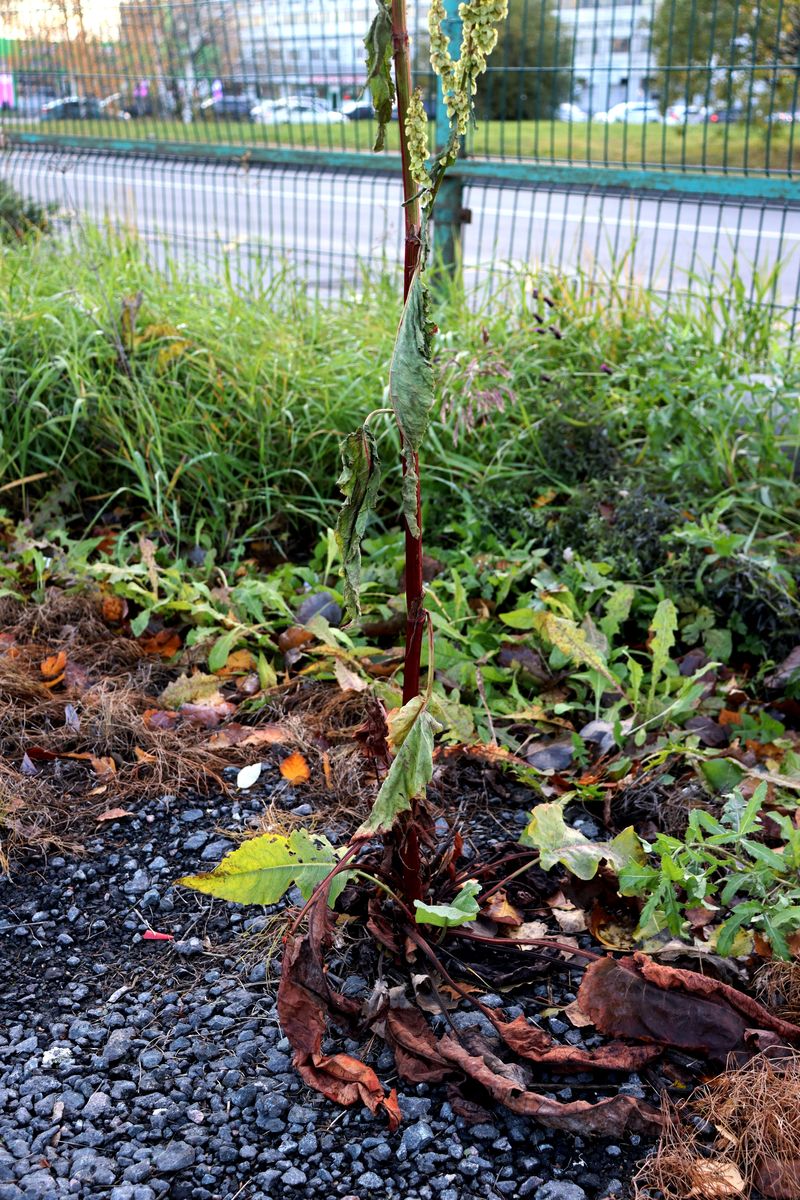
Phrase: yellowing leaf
(572, 641)
(401, 720)
(294, 769)
(557, 842)
(263, 869)
(171, 351)
(192, 689)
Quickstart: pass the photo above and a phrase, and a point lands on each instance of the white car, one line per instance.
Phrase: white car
(295, 110)
(631, 112)
(571, 112)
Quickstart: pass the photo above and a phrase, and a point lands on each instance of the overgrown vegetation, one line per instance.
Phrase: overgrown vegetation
(610, 607)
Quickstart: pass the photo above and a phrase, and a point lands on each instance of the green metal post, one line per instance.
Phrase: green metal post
(449, 202)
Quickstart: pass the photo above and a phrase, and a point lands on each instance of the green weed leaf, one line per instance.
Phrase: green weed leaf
(263, 869)
(379, 69)
(359, 480)
(411, 385)
(218, 655)
(663, 629)
(463, 908)
(408, 776)
(558, 842)
(618, 607)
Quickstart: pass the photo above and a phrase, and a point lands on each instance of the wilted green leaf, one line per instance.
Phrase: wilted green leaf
(556, 841)
(263, 869)
(411, 385)
(359, 480)
(379, 69)
(408, 776)
(463, 908)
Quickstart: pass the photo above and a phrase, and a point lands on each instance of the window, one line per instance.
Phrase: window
(620, 45)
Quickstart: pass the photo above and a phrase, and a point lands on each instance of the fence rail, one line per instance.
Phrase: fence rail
(682, 114)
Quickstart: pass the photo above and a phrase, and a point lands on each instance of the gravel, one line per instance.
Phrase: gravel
(135, 1069)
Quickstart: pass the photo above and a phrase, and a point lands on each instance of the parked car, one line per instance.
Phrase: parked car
(74, 108)
(785, 117)
(358, 110)
(725, 116)
(571, 112)
(296, 110)
(631, 112)
(685, 114)
(227, 108)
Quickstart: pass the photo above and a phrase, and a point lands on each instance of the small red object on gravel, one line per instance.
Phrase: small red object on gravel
(152, 935)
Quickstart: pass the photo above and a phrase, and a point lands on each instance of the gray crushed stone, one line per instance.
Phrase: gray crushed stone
(133, 1069)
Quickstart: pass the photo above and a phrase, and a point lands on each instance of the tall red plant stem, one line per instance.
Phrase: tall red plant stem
(408, 849)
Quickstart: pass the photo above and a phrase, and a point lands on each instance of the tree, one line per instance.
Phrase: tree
(729, 52)
(529, 75)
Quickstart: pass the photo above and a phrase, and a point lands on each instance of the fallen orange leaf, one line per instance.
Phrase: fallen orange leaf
(113, 609)
(114, 814)
(165, 644)
(54, 666)
(142, 756)
(294, 769)
(104, 767)
(239, 663)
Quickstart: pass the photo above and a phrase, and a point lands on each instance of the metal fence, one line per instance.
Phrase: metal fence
(662, 134)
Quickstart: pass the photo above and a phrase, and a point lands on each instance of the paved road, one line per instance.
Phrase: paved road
(325, 226)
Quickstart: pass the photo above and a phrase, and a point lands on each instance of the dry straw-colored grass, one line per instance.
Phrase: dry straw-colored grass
(98, 712)
(753, 1110)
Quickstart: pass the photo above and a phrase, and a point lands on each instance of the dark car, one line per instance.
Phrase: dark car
(725, 116)
(74, 108)
(227, 108)
(362, 110)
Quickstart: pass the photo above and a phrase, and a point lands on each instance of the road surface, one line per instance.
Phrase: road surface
(327, 227)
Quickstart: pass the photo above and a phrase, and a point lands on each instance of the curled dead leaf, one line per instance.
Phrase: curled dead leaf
(114, 814)
(206, 716)
(52, 668)
(104, 767)
(498, 909)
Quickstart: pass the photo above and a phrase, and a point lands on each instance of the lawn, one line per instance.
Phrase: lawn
(735, 147)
